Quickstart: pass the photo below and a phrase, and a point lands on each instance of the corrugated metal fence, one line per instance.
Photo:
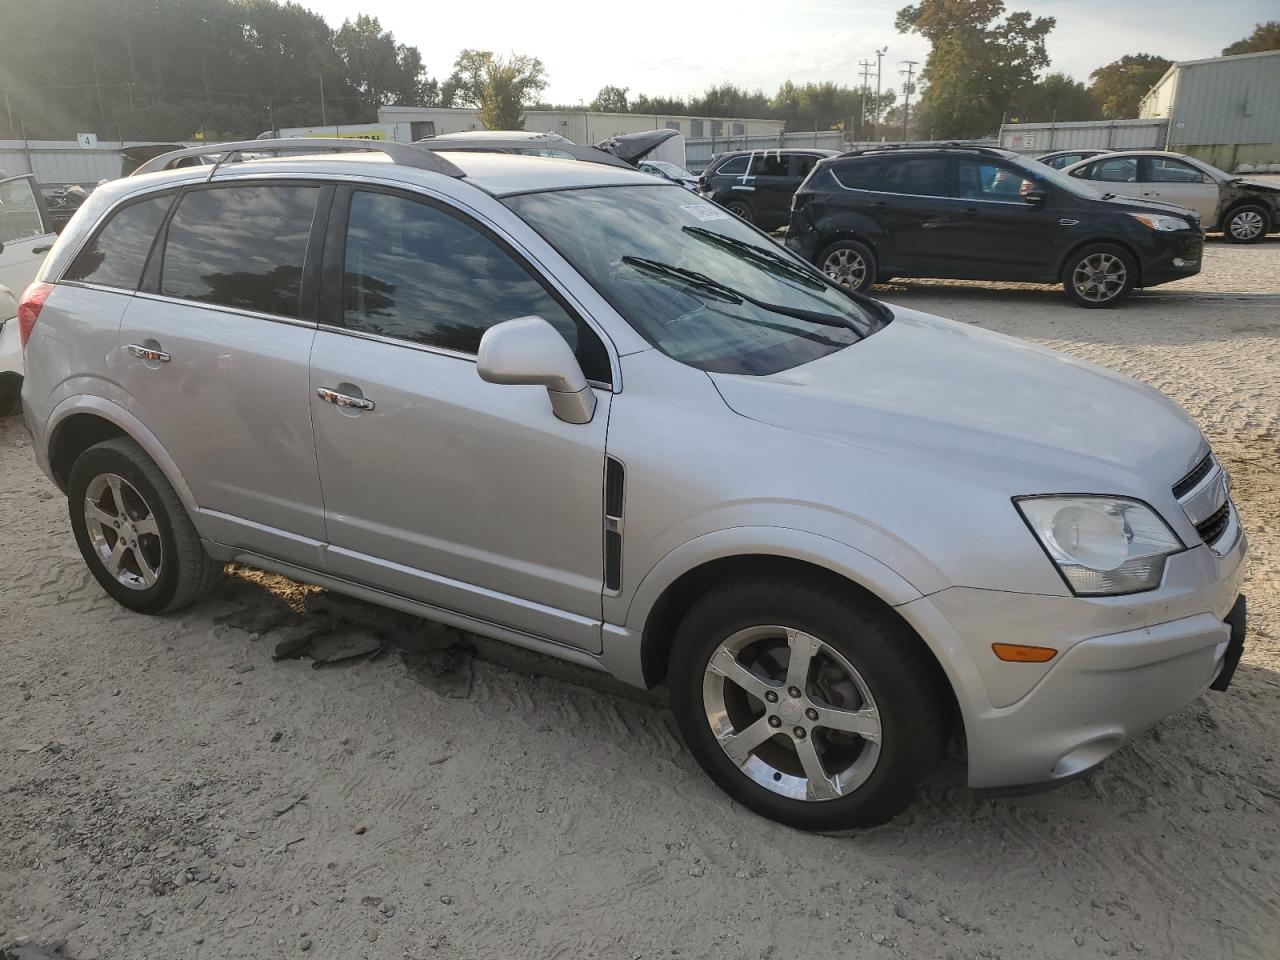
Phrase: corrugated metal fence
(1037, 138)
(61, 162)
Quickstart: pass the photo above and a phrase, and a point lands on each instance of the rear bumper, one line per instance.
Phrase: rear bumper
(1124, 664)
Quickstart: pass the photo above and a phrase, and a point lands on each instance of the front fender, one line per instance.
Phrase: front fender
(840, 558)
(131, 425)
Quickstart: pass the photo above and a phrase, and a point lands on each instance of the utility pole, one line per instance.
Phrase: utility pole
(324, 120)
(876, 107)
(866, 84)
(906, 93)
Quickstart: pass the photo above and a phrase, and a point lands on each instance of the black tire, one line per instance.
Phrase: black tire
(183, 571)
(901, 677)
(741, 209)
(1084, 286)
(850, 264)
(1247, 223)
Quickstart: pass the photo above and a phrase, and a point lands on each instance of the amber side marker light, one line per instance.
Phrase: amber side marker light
(1018, 653)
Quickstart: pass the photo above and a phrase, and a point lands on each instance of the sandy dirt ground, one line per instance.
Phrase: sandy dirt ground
(170, 791)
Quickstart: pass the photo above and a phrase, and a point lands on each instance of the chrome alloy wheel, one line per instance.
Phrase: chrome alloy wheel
(792, 713)
(1099, 277)
(846, 267)
(1246, 225)
(123, 531)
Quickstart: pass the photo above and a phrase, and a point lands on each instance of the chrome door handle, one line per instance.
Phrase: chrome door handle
(148, 353)
(329, 395)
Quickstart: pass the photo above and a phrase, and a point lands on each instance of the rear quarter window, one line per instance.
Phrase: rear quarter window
(733, 167)
(118, 252)
(861, 173)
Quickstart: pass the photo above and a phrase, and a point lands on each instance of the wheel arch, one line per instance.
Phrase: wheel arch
(663, 617)
(78, 423)
(1247, 201)
(1123, 244)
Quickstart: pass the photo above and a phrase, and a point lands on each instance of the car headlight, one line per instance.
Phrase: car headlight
(1101, 545)
(1162, 224)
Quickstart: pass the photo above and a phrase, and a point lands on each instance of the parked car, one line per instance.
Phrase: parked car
(1245, 211)
(1065, 158)
(757, 185)
(26, 235)
(837, 530)
(975, 213)
(625, 150)
(670, 171)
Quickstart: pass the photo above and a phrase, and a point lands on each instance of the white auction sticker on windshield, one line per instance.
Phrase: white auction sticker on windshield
(706, 211)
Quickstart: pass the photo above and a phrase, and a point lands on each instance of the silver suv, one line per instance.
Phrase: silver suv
(576, 408)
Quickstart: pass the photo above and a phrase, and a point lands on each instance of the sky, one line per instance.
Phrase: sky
(680, 47)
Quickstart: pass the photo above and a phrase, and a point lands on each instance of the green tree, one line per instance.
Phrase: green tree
(1119, 87)
(1266, 36)
(728, 100)
(501, 88)
(611, 99)
(381, 70)
(980, 58)
(671, 105)
(1054, 97)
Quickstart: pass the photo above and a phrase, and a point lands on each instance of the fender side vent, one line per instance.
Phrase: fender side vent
(614, 497)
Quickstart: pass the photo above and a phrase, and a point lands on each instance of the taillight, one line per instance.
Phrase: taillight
(29, 309)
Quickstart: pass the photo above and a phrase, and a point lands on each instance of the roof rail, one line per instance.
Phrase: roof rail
(407, 155)
(925, 145)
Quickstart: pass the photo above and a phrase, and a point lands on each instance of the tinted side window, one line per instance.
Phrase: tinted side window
(770, 165)
(19, 211)
(116, 256)
(801, 165)
(920, 176)
(240, 247)
(1124, 170)
(733, 167)
(418, 273)
(1168, 170)
(984, 180)
(863, 173)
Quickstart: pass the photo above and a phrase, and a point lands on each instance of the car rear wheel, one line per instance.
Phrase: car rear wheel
(741, 209)
(1247, 224)
(133, 531)
(849, 264)
(804, 703)
(1099, 275)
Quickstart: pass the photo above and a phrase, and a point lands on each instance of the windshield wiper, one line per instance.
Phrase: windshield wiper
(768, 259)
(700, 281)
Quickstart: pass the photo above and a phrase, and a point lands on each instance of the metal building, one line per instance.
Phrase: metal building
(1224, 110)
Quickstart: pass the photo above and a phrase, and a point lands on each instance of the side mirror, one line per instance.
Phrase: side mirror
(1034, 196)
(530, 351)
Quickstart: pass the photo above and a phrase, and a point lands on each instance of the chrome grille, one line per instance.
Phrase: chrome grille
(1204, 494)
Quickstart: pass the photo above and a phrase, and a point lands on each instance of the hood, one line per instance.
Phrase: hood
(1012, 416)
(634, 147)
(1261, 186)
(1151, 206)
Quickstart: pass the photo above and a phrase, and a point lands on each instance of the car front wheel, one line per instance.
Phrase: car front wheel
(1247, 224)
(804, 703)
(1099, 275)
(741, 209)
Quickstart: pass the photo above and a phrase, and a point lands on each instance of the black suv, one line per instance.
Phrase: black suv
(757, 184)
(976, 213)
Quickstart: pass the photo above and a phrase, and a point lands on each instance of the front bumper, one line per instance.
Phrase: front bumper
(1174, 256)
(1124, 664)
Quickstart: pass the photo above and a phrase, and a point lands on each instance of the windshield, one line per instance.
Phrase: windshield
(697, 282)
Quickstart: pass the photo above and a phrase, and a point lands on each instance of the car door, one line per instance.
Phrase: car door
(774, 182)
(996, 233)
(1176, 181)
(916, 212)
(214, 352)
(1118, 175)
(26, 233)
(466, 495)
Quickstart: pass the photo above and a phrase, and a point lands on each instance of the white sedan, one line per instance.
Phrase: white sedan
(25, 237)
